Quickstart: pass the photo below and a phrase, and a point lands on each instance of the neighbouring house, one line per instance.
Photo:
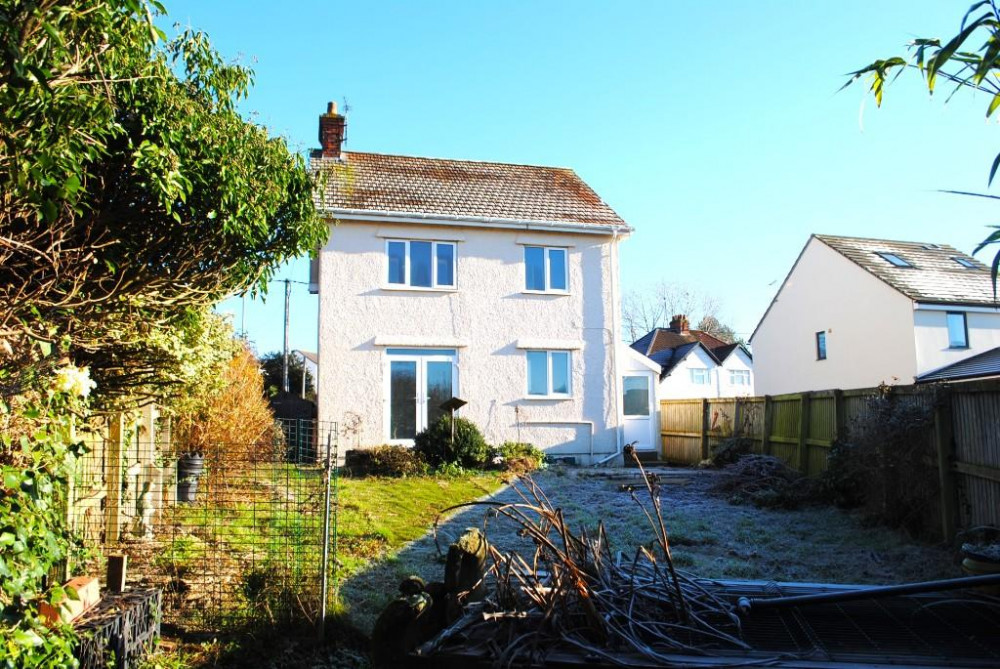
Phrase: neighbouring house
(495, 283)
(974, 368)
(694, 363)
(855, 312)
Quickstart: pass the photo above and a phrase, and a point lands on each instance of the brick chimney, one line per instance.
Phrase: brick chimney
(331, 132)
(679, 324)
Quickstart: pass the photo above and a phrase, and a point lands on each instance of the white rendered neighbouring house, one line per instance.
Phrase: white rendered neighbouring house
(854, 313)
(494, 283)
(696, 364)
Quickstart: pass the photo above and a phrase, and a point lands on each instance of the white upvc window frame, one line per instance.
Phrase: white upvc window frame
(419, 356)
(547, 252)
(407, 278)
(550, 357)
(700, 373)
(742, 374)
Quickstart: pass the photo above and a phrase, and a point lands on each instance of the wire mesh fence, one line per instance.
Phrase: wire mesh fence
(232, 536)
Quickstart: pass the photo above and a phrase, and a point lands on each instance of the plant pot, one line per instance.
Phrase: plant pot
(189, 468)
(190, 465)
(187, 489)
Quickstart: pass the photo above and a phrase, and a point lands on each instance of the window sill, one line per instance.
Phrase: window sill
(547, 398)
(417, 289)
(554, 293)
(958, 348)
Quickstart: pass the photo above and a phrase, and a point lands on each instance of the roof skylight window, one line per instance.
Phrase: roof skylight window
(965, 262)
(893, 259)
(930, 247)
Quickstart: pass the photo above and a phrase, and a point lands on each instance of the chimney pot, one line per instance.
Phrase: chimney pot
(331, 108)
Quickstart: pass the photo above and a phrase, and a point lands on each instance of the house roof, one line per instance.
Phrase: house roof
(659, 339)
(668, 358)
(976, 366)
(934, 274)
(444, 188)
(723, 352)
(310, 356)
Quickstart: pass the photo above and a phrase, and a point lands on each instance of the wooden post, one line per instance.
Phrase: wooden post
(765, 437)
(944, 443)
(805, 404)
(113, 478)
(839, 417)
(704, 428)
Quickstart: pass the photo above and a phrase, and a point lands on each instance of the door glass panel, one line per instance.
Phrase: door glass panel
(445, 265)
(397, 262)
(439, 389)
(534, 268)
(560, 372)
(636, 391)
(557, 269)
(403, 399)
(420, 264)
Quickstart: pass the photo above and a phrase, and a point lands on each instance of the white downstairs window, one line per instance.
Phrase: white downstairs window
(549, 374)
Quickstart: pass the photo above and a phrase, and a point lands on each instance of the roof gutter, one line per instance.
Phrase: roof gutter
(476, 221)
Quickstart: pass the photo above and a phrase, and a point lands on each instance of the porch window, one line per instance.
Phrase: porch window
(636, 396)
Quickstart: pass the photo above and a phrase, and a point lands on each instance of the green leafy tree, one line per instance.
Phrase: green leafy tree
(970, 61)
(132, 193)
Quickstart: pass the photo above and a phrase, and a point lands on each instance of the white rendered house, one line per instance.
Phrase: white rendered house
(854, 313)
(696, 364)
(494, 283)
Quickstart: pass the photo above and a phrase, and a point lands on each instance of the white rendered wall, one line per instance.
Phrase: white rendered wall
(677, 385)
(484, 319)
(737, 360)
(931, 334)
(869, 329)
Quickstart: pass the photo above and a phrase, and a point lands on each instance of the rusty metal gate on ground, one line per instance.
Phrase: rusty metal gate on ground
(238, 536)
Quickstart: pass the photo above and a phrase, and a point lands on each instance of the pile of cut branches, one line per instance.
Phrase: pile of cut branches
(767, 482)
(573, 592)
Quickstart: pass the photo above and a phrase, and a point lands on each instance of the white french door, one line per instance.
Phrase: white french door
(417, 382)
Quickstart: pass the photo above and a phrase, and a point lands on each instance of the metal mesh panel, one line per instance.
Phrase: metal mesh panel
(233, 538)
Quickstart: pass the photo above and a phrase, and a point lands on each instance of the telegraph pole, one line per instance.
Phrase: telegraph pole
(284, 364)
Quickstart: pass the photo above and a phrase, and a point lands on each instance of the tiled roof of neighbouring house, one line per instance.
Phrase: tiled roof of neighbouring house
(934, 273)
(977, 366)
(664, 338)
(668, 358)
(459, 188)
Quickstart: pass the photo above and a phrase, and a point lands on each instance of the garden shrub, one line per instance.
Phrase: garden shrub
(387, 460)
(517, 457)
(887, 466)
(434, 444)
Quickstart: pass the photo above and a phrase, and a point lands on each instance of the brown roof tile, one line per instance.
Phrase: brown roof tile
(409, 185)
(935, 276)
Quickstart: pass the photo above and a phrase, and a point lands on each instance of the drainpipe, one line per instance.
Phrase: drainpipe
(616, 381)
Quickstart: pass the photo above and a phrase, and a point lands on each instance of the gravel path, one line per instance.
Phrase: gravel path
(709, 537)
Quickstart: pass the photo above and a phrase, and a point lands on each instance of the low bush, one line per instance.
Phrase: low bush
(435, 444)
(886, 466)
(388, 460)
(728, 451)
(517, 457)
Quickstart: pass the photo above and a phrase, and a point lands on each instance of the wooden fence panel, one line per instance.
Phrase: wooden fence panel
(976, 426)
(680, 431)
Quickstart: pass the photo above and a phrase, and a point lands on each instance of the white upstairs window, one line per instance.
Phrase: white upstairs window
(420, 264)
(701, 376)
(545, 270)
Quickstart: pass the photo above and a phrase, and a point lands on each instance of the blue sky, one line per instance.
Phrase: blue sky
(714, 129)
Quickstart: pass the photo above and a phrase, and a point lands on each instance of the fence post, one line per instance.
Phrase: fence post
(704, 428)
(805, 405)
(765, 438)
(113, 479)
(324, 562)
(944, 445)
(839, 416)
